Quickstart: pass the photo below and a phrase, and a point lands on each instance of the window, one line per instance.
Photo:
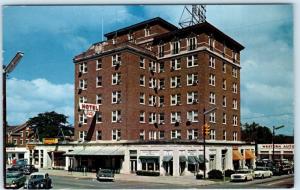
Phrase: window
(116, 60)
(234, 102)
(212, 134)
(192, 116)
(130, 36)
(142, 117)
(152, 66)
(235, 120)
(15, 141)
(235, 136)
(234, 87)
(161, 49)
(224, 118)
(152, 135)
(161, 67)
(99, 64)
(175, 134)
(192, 134)
(175, 64)
(161, 83)
(142, 98)
(82, 119)
(116, 134)
(98, 81)
(21, 141)
(212, 62)
(175, 99)
(224, 134)
(161, 134)
(234, 72)
(192, 43)
(114, 40)
(99, 117)
(82, 99)
(152, 118)
(98, 99)
(212, 98)
(192, 97)
(192, 79)
(152, 100)
(175, 82)
(212, 117)
(21, 133)
(142, 134)
(142, 62)
(161, 118)
(142, 80)
(224, 101)
(224, 84)
(83, 67)
(224, 67)
(152, 83)
(161, 101)
(116, 116)
(212, 80)
(175, 117)
(147, 32)
(175, 47)
(98, 135)
(82, 135)
(83, 84)
(192, 61)
(116, 97)
(116, 78)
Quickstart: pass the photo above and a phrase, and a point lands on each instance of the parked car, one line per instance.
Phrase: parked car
(262, 172)
(21, 162)
(28, 169)
(15, 168)
(38, 180)
(242, 175)
(15, 179)
(105, 174)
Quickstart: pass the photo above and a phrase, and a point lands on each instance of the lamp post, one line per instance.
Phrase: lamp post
(5, 71)
(273, 136)
(204, 134)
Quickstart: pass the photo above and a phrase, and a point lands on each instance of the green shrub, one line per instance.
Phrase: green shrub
(229, 172)
(199, 176)
(215, 174)
(147, 173)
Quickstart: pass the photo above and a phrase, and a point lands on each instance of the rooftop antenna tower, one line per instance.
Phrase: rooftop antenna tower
(192, 14)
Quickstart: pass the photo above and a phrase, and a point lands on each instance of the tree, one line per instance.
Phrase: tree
(49, 125)
(255, 132)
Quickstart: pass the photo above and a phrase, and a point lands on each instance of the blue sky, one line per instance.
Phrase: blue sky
(50, 36)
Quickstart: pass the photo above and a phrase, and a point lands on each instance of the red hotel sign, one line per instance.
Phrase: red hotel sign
(89, 107)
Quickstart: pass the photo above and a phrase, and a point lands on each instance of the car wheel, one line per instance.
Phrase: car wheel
(246, 179)
(262, 176)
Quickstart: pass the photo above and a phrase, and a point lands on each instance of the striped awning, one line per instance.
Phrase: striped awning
(249, 155)
(236, 155)
(91, 151)
(167, 158)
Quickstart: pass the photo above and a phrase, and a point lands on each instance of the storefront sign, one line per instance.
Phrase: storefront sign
(276, 146)
(50, 140)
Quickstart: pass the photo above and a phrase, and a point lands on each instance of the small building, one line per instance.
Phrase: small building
(281, 151)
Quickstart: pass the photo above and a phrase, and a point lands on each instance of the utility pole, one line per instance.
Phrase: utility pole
(273, 138)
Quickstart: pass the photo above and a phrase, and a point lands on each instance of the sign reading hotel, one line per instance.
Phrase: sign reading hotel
(277, 146)
(89, 109)
(50, 140)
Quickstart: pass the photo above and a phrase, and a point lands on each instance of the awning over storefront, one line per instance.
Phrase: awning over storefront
(192, 160)
(201, 159)
(91, 151)
(167, 158)
(236, 155)
(182, 159)
(149, 159)
(249, 155)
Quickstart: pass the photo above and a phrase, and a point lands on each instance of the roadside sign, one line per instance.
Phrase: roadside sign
(50, 140)
(30, 146)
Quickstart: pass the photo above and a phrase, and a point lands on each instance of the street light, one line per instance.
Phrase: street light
(273, 135)
(204, 134)
(5, 71)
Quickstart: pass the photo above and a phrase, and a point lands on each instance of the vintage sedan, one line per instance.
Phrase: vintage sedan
(262, 172)
(38, 180)
(242, 175)
(28, 169)
(15, 179)
(105, 174)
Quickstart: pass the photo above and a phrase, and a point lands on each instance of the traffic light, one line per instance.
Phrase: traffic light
(206, 129)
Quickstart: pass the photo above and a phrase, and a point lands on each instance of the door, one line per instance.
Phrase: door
(133, 166)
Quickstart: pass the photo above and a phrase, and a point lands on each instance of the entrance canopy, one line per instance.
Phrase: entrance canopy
(149, 159)
(167, 158)
(192, 160)
(236, 155)
(97, 151)
(249, 155)
(182, 159)
(201, 159)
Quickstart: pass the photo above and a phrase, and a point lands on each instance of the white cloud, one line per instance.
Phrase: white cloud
(26, 99)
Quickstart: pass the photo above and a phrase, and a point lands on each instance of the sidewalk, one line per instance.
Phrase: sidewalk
(178, 180)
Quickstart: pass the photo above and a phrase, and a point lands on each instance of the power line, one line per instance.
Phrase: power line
(266, 116)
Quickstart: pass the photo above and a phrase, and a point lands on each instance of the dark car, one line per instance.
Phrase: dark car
(15, 179)
(105, 174)
(28, 169)
(38, 180)
(15, 168)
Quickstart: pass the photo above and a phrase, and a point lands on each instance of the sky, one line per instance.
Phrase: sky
(50, 36)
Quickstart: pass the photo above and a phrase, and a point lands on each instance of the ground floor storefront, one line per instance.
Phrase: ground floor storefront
(15, 153)
(281, 151)
(169, 159)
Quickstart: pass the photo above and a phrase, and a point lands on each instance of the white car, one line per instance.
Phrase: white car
(242, 175)
(262, 172)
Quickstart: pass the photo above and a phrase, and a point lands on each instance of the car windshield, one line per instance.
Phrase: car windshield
(11, 175)
(243, 171)
(105, 171)
(37, 177)
(260, 169)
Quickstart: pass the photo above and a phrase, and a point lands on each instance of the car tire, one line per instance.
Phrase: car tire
(246, 179)
(262, 176)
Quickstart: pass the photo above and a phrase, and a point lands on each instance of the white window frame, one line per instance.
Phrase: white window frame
(98, 62)
(235, 120)
(234, 72)
(175, 134)
(99, 97)
(152, 82)
(212, 62)
(142, 62)
(191, 61)
(212, 134)
(142, 135)
(224, 119)
(152, 135)
(161, 101)
(224, 84)
(224, 135)
(142, 115)
(116, 134)
(161, 118)
(175, 117)
(212, 80)
(99, 115)
(116, 78)
(234, 104)
(234, 136)
(173, 45)
(175, 82)
(116, 97)
(152, 100)
(192, 79)
(99, 79)
(224, 67)
(143, 80)
(116, 59)
(175, 99)
(82, 118)
(161, 50)
(192, 116)
(83, 84)
(147, 32)
(152, 118)
(82, 99)
(192, 134)
(234, 87)
(212, 98)
(116, 116)
(142, 97)
(192, 97)
(160, 136)
(175, 64)
(189, 44)
(83, 67)
(224, 102)
(212, 117)
(152, 66)
(97, 135)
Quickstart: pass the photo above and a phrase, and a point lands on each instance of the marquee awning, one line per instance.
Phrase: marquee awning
(182, 159)
(192, 160)
(91, 151)
(249, 155)
(236, 155)
(149, 159)
(201, 159)
(167, 158)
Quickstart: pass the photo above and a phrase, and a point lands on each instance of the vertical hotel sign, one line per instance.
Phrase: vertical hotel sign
(89, 109)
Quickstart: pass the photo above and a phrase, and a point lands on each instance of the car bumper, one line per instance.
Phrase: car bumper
(11, 185)
(105, 178)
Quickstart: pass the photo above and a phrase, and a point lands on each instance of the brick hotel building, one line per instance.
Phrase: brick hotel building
(152, 82)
